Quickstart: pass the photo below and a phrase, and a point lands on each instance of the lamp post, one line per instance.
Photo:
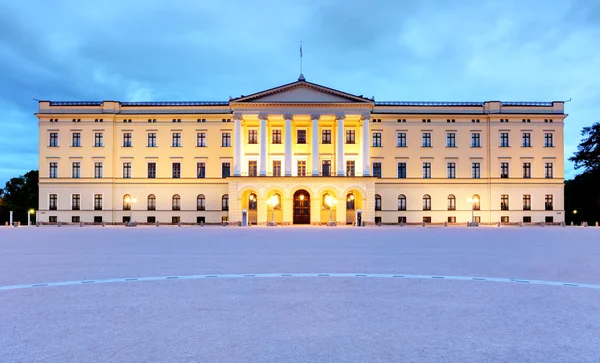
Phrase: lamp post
(330, 202)
(30, 213)
(473, 201)
(130, 201)
(273, 202)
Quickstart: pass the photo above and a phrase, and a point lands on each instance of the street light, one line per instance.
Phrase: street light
(273, 202)
(129, 200)
(31, 212)
(473, 201)
(330, 202)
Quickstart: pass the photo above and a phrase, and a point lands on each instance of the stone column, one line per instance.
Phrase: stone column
(315, 145)
(262, 163)
(237, 144)
(288, 210)
(288, 144)
(366, 143)
(339, 155)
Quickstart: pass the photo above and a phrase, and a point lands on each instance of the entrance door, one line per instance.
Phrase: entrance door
(301, 207)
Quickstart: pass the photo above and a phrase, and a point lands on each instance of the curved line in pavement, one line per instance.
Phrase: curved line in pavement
(290, 275)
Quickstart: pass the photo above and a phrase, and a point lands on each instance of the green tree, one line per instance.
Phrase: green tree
(588, 151)
(19, 195)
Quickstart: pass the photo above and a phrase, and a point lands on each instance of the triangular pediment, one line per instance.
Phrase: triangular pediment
(301, 92)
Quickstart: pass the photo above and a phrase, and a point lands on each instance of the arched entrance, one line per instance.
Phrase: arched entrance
(301, 207)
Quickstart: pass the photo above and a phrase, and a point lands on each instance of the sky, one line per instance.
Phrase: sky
(460, 50)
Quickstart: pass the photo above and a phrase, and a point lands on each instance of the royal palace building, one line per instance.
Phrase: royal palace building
(301, 153)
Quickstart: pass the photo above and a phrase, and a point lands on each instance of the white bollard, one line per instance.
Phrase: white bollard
(11, 218)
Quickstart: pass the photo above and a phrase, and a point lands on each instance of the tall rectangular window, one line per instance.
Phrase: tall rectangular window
(276, 137)
(377, 169)
(426, 142)
(475, 139)
(451, 170)
(176, 170)
(350, 168)
(326, 168)
(350, 137)
(549, 205)
(504, 139)
(252, 136)
(548, 140)
(252, 168)
(176, 142)
(97, 201)
(76, 139)
(548, 170)
(98, 170)
(127, 170)
(325, 136)
(526, 202)
(76, 169)
(526, 139)
(200, 170)
(451, 139)
(401, 139)
(201, 139)
(152, 139)
(53, 202)
(504, 170)
(426, 170)
(526, 170)
(300, 136)
(276, 167)
(53, 170)
(53, 139)
(226, 139)
(225, 170)
(127, 139)
(98, 139)
(475, 170)
(504, 202)
(75, 202)
(152, 170)
(402, 170)
(301, 167)
(377, 139)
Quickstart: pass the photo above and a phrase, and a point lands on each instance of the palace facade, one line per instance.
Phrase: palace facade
(301, 153)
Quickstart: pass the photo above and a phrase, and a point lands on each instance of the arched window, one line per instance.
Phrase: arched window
(476, 202)
(225, 202)
(126, 202)
(326, 197)
(401, 202)
(451, 202)
(151, 202)
(426, 202)
(201, 202)
(252, 201)
(350, 202)
(176, 202)
(377, 202)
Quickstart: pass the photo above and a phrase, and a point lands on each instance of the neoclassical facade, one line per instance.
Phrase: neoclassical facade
(301, 153)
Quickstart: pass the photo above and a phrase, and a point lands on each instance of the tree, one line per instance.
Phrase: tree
(20, 195)
(588, 151)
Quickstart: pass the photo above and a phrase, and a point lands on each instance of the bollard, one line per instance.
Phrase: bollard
(445, 224)
(103, 224)
(596, 223)
(423, 224)
(37, 223)
(585, 224)
(572, 224)
(80, 224)
(157, 223)
(179, 224)
(379, 224)
(201, 224)
(59, 223)
(562, 224)
(521, 224)
(542, 224)
(498, 224)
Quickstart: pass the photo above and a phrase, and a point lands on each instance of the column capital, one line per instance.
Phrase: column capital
(365, 116)
(315, 117)
(288, 116)
(340, 116)
(237, 116)
(263, 116)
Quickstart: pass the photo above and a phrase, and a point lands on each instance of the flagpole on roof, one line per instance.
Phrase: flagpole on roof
(301, 78)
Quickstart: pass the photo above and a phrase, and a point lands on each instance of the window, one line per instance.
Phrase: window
(176, 139)
(151, 202)
(526, 139)
(276, 167)
(402, 170)
(52, 219)
(152, 139)
(427, 219)
(350, 205)
(126, 170)
(225, 202)
(176, 170)
(252, 202)
(350, 168)
(527, 219)
(401, 139)
(451, 219)
(76, 169)
(476, 202)
(98, 170)
(475, 170)
(504, 139)
(549, 205)
(176, 202)
(326, 168)
(451, 202)
(252, 137)
(377, 169)
(276, 137)
(301, 167)
(426, 170)
(350, 137)
(301, 137)
(548, 170)
(97, 219)
(98, 139)
(75, 219)
(326, 137)
(401, 202)
(226, 139)
(526, 202)
(504, 202)
(549, 219)
(151, 170)
(53, 139)
(377, 202)
(548, 140)
(451, 168)
(126, 202)
(175, 219)
(201, 202)
(526, 170)
(53, 170)
(97, 201)
(53, 202)
(377, 139)
(426, 202)
(201, 139)
(475, 139)
(252, 168)
(426, 142)
(127, 139)
(225, 170)
(503, 170)
(451, 139)
(402, 220)
(200, 170)
(76, 139)
(504, 219)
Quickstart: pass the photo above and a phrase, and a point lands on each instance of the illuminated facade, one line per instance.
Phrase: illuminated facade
(286, 153)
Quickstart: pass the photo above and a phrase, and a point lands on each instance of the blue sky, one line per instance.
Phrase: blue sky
(526, 50)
